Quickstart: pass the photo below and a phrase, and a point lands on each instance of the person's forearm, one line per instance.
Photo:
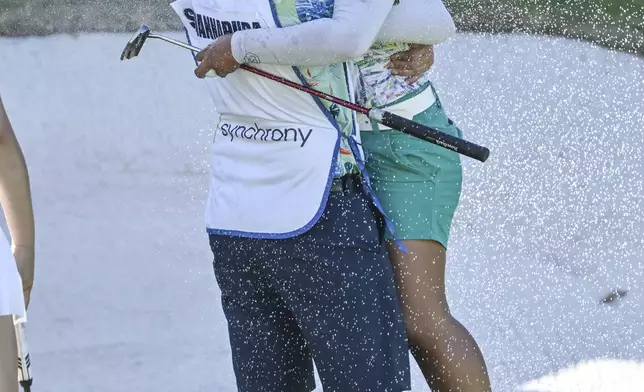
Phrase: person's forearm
(426, 22)
(345, 36)
(15, 193)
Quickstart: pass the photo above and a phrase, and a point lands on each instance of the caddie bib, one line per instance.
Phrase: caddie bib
(274, 148)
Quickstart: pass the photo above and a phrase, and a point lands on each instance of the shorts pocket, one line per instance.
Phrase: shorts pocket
(413, 157)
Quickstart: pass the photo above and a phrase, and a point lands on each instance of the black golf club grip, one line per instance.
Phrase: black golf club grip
(431, 135)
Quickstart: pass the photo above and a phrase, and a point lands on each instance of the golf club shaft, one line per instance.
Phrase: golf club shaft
(391, 120)
(176, 42)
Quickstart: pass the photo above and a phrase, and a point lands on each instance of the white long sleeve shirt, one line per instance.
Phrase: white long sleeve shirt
(348, 35)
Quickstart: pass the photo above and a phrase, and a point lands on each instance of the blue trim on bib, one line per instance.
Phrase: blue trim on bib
(327, 190)
(194, 55)
(317, 100)
(294, 233)
(353, 144)
(276, 18)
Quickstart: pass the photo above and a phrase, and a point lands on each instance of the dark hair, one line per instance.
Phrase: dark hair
(396, 2)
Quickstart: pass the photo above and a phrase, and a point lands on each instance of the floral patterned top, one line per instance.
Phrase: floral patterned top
(380, 88)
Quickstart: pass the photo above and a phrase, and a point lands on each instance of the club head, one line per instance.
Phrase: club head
(134, 45)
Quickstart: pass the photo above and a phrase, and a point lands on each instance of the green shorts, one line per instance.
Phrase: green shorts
(417, 182)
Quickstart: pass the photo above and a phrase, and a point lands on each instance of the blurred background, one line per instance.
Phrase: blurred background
(547, 230)
(611, 23)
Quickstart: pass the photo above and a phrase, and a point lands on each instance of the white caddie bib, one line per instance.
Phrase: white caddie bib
(274, 148)
(11, 298)
(269, 178)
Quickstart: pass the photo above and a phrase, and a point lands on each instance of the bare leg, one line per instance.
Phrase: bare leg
(447, 354)
(8, 356)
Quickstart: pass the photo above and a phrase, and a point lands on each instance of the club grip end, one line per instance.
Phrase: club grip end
(431, 135)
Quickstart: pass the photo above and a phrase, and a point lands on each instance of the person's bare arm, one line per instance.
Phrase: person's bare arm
(15, 199)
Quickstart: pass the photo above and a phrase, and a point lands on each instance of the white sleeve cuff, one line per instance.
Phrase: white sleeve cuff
(237, 46)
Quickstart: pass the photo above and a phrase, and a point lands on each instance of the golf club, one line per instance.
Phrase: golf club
(134, 45)
(410, 127)
(24, 361)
